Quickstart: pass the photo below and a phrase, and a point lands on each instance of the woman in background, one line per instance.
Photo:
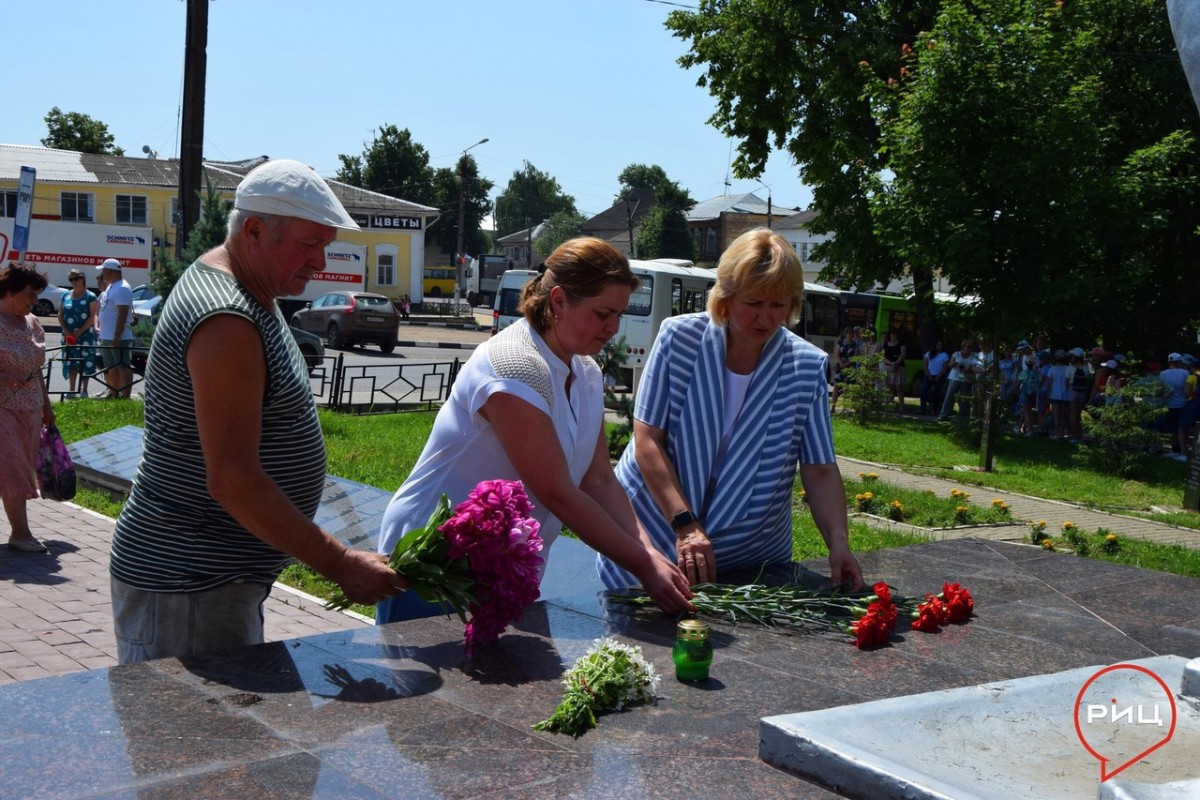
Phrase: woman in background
(894, 353)
(77, 318)
(24, 401)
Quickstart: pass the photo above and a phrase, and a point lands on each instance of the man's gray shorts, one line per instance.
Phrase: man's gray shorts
(116, 354)
(162, 624)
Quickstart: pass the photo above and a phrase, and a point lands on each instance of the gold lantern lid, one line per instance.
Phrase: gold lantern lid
(692, 630)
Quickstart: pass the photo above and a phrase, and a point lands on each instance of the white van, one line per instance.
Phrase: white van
(508, 298)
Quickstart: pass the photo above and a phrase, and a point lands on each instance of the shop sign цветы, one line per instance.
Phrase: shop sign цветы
(388, 222)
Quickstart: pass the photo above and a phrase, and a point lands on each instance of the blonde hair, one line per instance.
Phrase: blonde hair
(759, 260)
(584, 267)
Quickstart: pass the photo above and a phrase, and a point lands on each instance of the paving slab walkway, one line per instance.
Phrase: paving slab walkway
(55, 609)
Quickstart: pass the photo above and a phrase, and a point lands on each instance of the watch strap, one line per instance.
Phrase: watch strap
(682, 519)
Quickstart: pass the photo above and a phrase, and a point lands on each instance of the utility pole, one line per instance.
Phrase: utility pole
(191, 150)
(629, 212)
(462, 213)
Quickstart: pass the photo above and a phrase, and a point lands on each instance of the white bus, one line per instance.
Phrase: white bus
(669, 287)
(821, 320)
(482, 278)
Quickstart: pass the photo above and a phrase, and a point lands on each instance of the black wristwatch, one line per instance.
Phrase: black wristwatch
(682, 520)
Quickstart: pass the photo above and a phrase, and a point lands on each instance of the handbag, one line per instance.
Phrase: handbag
(55, 472)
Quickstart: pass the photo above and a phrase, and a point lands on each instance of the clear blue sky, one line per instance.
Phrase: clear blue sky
(579, 88)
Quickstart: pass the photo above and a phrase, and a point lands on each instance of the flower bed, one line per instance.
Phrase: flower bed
(923, 510)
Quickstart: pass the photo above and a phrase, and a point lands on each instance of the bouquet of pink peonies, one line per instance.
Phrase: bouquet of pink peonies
(483, 559)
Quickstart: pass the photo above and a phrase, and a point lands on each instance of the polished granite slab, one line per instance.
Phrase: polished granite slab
(398, 711)
(349, 510)
(963, 740)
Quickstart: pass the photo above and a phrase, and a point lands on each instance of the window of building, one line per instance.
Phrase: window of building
(8, 204)
(131, 209)
(385, 270)
(175, 210)
(77, 207)
(710, 244)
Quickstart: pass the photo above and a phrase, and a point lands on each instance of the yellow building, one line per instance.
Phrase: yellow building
(143, 193)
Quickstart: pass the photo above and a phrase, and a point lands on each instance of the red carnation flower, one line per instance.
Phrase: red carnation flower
(870, 631)
(959, 603)
(931, 615)
(886, 610)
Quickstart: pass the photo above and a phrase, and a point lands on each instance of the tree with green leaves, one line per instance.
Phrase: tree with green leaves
(70, 130)
(785, 75)
(209, 232)
(1004, 144)
(665, 234)
(530, 198)
(476, 206)
(1017, 150)
(667, 193)
(393, 163)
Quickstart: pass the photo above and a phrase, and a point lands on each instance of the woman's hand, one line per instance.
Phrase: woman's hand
(694, 554)
(844, 569)
(666, 585)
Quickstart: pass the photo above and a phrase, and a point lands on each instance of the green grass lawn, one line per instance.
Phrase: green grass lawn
(381, 450)
(1032, 466)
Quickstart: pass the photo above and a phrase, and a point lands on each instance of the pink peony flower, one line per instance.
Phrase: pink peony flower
(493, 529)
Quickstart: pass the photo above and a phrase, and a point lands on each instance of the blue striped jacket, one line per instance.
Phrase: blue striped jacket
(746, 502)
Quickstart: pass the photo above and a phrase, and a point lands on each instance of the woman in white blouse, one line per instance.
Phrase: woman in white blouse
(528, 405)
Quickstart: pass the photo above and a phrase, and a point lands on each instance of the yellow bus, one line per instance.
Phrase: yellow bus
(439, 282)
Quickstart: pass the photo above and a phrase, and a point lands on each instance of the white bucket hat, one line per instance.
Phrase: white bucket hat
(290, 189)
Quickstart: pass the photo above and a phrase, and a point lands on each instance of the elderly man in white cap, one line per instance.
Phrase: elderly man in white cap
(115, 328)
(234, 461)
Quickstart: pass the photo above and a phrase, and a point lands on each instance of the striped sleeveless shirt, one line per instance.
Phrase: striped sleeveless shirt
(172, 536)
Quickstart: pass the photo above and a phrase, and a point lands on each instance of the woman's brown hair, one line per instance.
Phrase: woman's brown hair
(584, 267)
(15, 278)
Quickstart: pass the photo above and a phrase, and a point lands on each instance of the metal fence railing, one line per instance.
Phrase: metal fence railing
(382, 388)
(351, 388)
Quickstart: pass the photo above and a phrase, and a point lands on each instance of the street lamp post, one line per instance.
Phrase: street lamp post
(462, 212)
(768, 188)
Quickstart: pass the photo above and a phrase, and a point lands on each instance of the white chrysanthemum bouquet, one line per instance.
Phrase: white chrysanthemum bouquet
(608, 677)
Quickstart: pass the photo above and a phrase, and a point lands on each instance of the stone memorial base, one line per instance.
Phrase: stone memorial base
(1004, 740)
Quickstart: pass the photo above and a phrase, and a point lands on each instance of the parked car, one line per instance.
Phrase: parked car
(49, 301)
(311, 347)
(143, 295)
(505, 308)
(348, 318)
(145, 318)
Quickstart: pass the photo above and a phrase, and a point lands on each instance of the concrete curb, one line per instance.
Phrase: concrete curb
(436, 345)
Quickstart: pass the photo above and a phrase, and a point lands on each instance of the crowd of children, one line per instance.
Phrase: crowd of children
(1046, 391)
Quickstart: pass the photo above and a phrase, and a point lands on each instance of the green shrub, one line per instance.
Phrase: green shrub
(1119, 434)
(612, 361)
(865, 389)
